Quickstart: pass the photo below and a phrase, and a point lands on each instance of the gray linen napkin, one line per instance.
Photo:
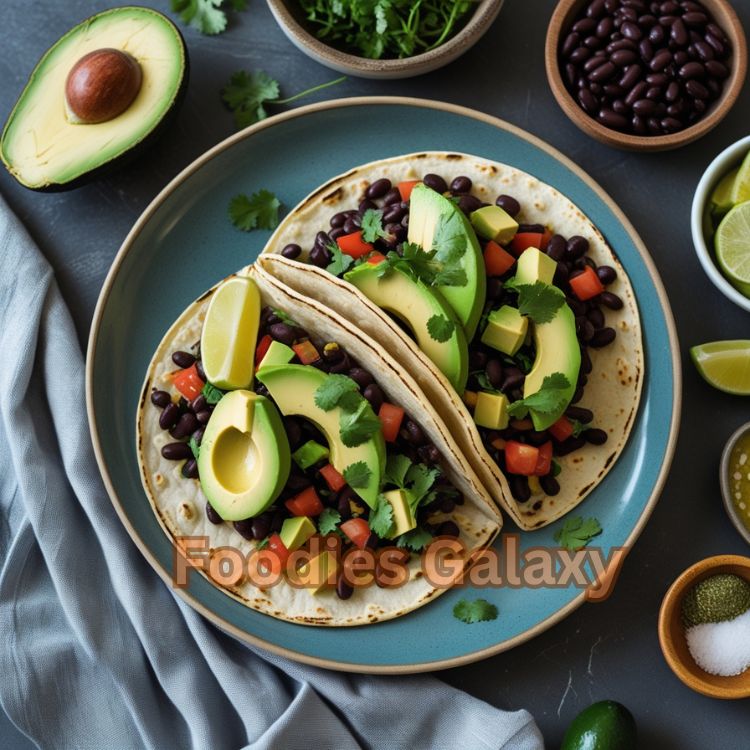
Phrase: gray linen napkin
(96, 652)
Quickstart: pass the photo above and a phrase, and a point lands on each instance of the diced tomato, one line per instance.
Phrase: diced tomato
(522, 424)
(306, 503)
(278, 547)
(544, 463)
(562, 429)
(546, 237)
(391, 416)
(521, 458)
(524, 240)
(376, 258)
(306, 352)
(333, 479)
(406, 187)
(357, 530)
(496, 260)
(586, 285)
(262, 348)
(188, 382)
(353, 244)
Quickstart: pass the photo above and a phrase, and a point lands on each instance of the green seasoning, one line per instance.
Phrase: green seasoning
(739, 479)
(719, 598)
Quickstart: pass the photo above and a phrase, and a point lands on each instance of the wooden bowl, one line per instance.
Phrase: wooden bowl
(672, 632)
(564, 16)
(289, 16)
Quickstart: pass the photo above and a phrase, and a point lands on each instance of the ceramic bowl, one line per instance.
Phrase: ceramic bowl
(672, 632)
(723, 13)
(729, 158)
(288, 15)
(726, 492)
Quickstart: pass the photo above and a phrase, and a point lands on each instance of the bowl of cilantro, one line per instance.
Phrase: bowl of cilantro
(384, 39)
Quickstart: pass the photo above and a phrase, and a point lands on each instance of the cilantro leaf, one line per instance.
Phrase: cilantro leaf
(449, 240)
(395, 470)
(246, 93)
(381, 518)
(283, 317)
(212, 394)
(420, 479)
(263, 543)
(204, 15)
(539, 301)
(484, 382)
(341, 261)
(329, 393)
(357, 475)
(372, 225)
(440, 328)
(422, 265)
(576, 532)
(328, 520)
(547, 400)
(356, 427)
(258, 211)
(479, 610)
(578, 427)
(194, 447)
(556, 468)
(416, 539)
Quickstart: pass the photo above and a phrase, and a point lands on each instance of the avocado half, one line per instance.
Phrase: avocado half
(45, 151)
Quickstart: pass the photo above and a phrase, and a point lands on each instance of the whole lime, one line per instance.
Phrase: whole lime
(606, 725)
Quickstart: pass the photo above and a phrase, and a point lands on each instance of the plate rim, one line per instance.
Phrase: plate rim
(214, 151)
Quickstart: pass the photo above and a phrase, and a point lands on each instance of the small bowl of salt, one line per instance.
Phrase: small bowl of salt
(704, 627)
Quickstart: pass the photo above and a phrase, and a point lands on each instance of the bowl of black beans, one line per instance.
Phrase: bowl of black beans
(646, 75)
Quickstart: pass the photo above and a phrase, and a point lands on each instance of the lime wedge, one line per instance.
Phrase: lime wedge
(724, 365)
(741, 188)
(229, 334)
(721, 198)
(732, 243)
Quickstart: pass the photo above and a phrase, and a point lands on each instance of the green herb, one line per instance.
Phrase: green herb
(263, 543)
(538, 301)
(420, 478)
(258, 211)
(328, 520)
(194, 447)
(372, 225)
(416, 539)
(212, 394)
(357, 475)
(341, 261)
(206, 15)
(484, 382)
(440, 328)
(578, 427)
(424, 266)
(556, 468)
(330, 392)
(449, 243)
(547, 400)
(246, 95)
(576, 532)
(386, 28)
(359, 425)
(283, 317)
(395, 470)
(479, 610)
(381, 518)
(524, 362)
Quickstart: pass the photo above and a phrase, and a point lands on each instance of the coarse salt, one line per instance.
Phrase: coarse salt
(721, 648)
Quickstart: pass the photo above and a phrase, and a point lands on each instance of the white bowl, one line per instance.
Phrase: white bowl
(729, 158)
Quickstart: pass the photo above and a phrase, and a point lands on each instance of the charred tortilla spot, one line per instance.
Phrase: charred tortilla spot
(146, 387)
(332, 197)
(609, 460)
(205, 295)
(453, 157)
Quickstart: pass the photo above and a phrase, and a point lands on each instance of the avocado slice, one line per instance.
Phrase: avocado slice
(42, 144)
(293, 389)
(606, 725)
(403, 515)
(309, 454)
(429, 210)
(414, 303)
(244, 459)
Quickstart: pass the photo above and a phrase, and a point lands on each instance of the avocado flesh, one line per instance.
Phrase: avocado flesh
(403, 515)
(293, 389)
(41, 148)
(414, 303)
(244, 459)
(426, 209)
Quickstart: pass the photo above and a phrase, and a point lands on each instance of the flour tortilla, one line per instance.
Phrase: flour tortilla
(180, 504)
(614, 388)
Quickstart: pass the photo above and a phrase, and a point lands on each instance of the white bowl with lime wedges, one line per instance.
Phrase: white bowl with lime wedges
(720, 222)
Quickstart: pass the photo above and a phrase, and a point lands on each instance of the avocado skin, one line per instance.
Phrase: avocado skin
(606, 725)
(132, 153)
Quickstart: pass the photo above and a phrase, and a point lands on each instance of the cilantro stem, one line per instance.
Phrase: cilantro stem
(312, 90)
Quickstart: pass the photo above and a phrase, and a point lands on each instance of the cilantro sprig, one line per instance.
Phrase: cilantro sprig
(416, 479)
(340, 262)
(478, 610)
(440, 328)
(538, 301)
(415, 540)
(212, 394)
(424, 266)
(257, 211)
(381, 518)
(357, 422)
(328, 521)
(357, 475)
(207, 16)
(577, 532)
(372, 225)
(330, 393)
(551, 397)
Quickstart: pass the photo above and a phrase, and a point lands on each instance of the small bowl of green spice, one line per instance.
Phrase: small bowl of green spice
(704, 627)
(398, 39)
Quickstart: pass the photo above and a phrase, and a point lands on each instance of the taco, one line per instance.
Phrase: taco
(266, 421)
(499, 297)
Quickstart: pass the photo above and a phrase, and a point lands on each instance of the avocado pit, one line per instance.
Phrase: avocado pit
(101, 86)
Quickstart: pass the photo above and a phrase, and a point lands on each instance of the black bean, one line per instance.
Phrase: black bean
(160, 398)
(168, 418)
(603, 337)
(610, 300)
(519, 487)
(631, 76)
(374, 395)
(584, 26)
(183, 359)
(577, 247)
(586, 364)
(360, 376)
(343, 365)
(717, 69)
(603, 72)
(449, 528)
(244, 528)
(436, 182)
(593, 42)
(429, 454)
(378, 188)
(718, 47)
(469, 203)
(556, 247)
(637, 92)
(190, 469)
(176, 451)
(654, 94)
(350, 226)
(569, 446)
(494, 372)
(679, 33)
(595, 436)
(660, 60)
(509, 204)
(394, 213)
(514, 378)
(692, 70)
(613, 91)
(550, 485)
(282, 332)
(644, 107)
(461, 184)
(212, 515)
(320, 256)
(343, 589)
(596, 316)
(392, 196)
(412, 432)
(579, 414)
(337, 220)
(186, 424)
(203, 416)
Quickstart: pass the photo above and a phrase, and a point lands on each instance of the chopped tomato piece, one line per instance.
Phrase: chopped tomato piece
(562, 429)
(333, 479)
(357, 530)
(306, 352)
(353, 244)
(278, 548)
(188, 382)
(262, 348)
(391, 416)
(524, 240)
(522, 424)
(376, 258)
(305, 503)
(521, 458)
(544, 463)
(546, 237)
(406, 187)
(586, 285)
(497, 261)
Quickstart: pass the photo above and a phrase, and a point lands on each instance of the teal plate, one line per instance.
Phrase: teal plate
(184, 242)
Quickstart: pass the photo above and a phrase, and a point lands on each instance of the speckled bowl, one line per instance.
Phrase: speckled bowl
(726, 491)
(672, 632)
(289, 17)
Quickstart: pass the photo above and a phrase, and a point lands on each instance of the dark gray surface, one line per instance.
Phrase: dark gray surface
(607, 650)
